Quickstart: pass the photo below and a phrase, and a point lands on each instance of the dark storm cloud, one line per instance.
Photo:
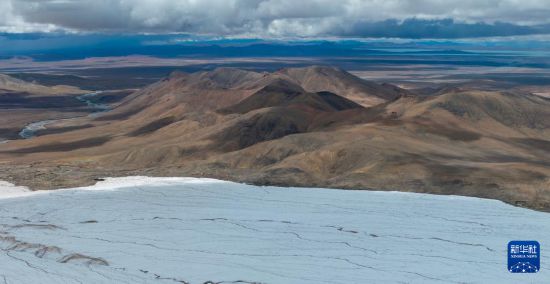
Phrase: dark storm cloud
(281, 18)
(445, 28)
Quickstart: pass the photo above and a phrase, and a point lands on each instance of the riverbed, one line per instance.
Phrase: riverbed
(30, 130)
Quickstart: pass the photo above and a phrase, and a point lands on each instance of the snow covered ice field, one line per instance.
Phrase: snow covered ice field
(165, 230)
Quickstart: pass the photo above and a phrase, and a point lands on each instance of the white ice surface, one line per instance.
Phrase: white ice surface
(10, 190)
(165, 230)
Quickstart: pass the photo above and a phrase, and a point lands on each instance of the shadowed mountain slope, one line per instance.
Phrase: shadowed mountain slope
(331, 79)
(282, 93)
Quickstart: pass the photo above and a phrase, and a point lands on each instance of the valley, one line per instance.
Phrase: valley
(31, 129)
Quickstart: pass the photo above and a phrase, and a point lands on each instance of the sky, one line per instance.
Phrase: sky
(412, 19)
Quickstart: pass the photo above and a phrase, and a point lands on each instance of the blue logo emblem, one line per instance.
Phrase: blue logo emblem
(523, 256)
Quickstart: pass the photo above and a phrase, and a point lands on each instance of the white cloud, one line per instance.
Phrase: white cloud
(11, 21)
(253, 17)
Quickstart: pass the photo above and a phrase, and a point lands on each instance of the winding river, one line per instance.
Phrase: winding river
(30, 129)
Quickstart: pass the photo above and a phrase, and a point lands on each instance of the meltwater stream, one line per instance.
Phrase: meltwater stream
(30, 130)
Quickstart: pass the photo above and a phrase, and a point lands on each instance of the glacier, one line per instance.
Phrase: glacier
(195, 230)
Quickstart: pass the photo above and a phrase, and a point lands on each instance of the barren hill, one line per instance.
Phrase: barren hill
(316, 126)
(13, 85)
(331, 79)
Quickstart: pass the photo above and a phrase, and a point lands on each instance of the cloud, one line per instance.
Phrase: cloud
(444, 28)
(281, 18)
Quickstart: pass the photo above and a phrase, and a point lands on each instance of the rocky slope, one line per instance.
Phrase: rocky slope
(306, 126)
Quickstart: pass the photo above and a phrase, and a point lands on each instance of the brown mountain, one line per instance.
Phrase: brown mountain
(14, 85)
(222, 87)
(331, 79)
(316, 126)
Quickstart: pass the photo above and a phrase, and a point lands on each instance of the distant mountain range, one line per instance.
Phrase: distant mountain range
(58, 47)
(312, 126)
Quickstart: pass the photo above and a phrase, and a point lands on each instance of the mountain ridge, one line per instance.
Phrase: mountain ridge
(267, 128)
